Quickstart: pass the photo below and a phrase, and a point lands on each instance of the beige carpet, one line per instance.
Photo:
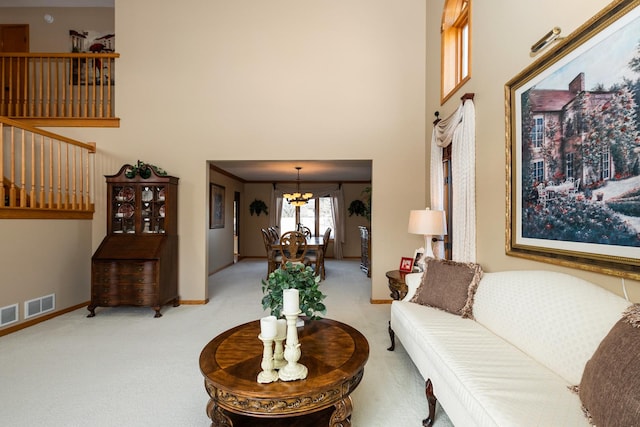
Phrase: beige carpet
(126, 368)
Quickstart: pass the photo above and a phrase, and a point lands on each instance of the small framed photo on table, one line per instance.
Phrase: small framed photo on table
(406, 265)
(418, 260)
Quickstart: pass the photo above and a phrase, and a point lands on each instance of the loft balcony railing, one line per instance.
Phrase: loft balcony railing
(44, 175)
(59, 89)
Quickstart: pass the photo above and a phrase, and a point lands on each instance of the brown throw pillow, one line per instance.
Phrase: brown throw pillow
(610, 385)
(449, 286)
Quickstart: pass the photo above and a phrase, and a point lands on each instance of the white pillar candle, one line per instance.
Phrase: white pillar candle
(268, 327)
(282, 328)
(290, 301)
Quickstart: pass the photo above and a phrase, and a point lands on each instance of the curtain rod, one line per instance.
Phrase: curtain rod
(463, 98)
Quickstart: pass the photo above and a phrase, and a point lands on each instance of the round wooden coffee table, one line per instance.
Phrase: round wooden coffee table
(333, 352)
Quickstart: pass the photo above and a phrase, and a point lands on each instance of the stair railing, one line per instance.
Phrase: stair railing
(45, 175)
(59, 89)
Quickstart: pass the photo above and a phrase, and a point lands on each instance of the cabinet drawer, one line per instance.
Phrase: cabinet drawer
(131, 279)
(135, 289)
(142, 299)
(133, 267)
(106, 300)
(102, 279)
(103, 289)
(108, 268)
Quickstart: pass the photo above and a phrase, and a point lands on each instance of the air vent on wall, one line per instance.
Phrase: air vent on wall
(40, 305)
(8, 314)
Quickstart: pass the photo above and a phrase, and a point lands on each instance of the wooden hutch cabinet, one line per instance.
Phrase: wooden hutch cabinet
(137, 262)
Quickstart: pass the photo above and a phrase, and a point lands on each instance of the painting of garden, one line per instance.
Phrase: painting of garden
(580, 146)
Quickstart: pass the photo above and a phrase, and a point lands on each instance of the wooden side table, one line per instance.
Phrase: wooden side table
(397, 285)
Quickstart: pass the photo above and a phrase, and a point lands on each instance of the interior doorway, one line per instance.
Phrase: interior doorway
(13, 38)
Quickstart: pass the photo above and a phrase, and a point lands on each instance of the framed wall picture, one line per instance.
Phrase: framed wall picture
(406, 265)
(216, 198)
(573, 149)
(418, 260)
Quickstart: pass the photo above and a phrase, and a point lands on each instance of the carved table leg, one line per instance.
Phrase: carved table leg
(431, 399)
(217, 415)
(341, 417)
(392, 336)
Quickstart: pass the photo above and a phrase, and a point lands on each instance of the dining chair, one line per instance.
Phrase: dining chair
(306, 231)
(273, 233)
(294, 248)
(317, 258)
(274, 257)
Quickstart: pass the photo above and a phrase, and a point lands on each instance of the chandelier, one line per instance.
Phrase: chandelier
(297, 198)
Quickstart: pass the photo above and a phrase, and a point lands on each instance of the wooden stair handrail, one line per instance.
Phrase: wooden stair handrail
(48, 176)
(91, 147)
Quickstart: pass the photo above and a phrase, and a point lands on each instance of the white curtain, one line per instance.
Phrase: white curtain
(337, 208)
(459, 130)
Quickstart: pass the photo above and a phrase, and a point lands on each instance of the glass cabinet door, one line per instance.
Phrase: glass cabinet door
(153, 200)
(123, 209)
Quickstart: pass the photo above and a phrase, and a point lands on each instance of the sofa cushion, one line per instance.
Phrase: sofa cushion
(556, 318)
(449, 286)
(478, 378)
(611, 378)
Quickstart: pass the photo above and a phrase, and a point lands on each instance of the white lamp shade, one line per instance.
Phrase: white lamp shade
(427, 222)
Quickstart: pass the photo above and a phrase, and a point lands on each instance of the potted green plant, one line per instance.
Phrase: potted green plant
(294, 276)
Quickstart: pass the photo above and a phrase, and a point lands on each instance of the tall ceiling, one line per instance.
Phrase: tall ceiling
(285, 170)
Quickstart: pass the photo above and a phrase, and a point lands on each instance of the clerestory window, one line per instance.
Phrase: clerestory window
(456, 47)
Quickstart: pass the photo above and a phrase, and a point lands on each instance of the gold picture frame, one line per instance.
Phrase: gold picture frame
(573, 149)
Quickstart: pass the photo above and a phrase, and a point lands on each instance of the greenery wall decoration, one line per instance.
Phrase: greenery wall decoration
(357, 208)
(294, 276)
(258, 207)
(361, 207)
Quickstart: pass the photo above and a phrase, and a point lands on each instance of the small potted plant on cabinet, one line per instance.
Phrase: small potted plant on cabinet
(294, 276)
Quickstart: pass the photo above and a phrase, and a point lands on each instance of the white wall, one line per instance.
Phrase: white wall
(503, 33)
(291, 79)
(43, 257)
(279, 80)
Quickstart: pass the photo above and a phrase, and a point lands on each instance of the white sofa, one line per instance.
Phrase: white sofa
(512, 365)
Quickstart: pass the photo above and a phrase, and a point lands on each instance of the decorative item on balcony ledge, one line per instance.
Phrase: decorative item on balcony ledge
(144, 170)
(294, 276)
(258, 207)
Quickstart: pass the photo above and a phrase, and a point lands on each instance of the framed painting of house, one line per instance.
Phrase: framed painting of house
(573, 149)
(216, 211)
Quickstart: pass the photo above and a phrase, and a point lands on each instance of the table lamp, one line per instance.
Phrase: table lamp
(428, 223)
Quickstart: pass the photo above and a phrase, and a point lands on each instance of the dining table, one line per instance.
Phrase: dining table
(314, 243)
